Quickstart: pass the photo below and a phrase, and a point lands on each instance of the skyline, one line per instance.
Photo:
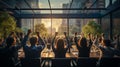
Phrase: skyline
(55, 23)
(57, 4)
(54, 3)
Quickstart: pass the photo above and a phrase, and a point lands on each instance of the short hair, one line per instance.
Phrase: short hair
(33, 40)
(9, 41)
(107, 42)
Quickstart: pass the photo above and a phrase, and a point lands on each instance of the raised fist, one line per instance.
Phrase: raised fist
(38, 33)
(56, 33)
(29, 31)
(75, 33)
(65, 33)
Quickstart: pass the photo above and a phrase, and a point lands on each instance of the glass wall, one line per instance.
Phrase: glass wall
(116, 22)
(105, 23)
(29, 24)
(57, 25)
(107, 3)
(113, 1)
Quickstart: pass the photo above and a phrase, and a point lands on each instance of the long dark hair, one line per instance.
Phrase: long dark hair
(83, 42)
(60, 44)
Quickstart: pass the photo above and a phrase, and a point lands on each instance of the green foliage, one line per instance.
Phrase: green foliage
(92, 27)
(17, 29)
(41, 28)
(7, 23)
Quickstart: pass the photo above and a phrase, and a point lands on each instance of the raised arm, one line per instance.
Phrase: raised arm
(40, 41)
(76, 40)
(68, 42)
(26, 38)
(56, 33)
(18, 43)
(12, 34)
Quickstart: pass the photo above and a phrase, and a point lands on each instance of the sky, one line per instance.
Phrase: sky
(54, 4)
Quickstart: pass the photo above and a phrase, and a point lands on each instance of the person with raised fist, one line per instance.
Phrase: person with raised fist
(37, 45)
(58, 47)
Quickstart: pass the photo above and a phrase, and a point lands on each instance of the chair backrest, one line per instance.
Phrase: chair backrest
(61, 62)
(86, 62)
(30, 62)
(112, 62)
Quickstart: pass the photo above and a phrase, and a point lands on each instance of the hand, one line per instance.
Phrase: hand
(37, 33)
(75, 33)
(12, 33)
(56, 33)
(102, 34)
(29, 31)
(65, 33)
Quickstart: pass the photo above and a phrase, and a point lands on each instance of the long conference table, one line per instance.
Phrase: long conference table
(47, 56)
(48, 53)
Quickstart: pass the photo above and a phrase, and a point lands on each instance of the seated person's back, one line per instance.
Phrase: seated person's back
(107, 50)
(33, 51)
(59, 49)
(82, 46)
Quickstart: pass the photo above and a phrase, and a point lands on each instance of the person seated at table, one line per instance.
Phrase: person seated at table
(82, 46)
(107, 50)
(37, 45)
(9, 53)
(59, 48)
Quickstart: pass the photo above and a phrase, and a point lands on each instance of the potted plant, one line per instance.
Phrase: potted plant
(7, 24)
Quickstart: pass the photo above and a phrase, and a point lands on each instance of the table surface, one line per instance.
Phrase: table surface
(49, 53)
